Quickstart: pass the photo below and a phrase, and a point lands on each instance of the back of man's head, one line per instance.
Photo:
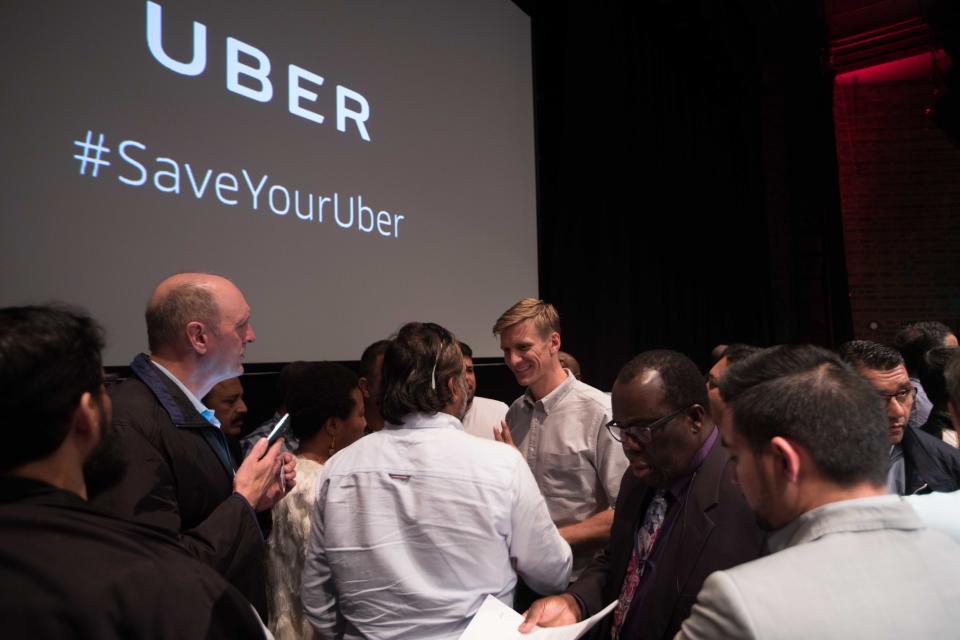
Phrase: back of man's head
(418, 365)
(681, 379)
(178, 301)
(368, 359)
(323, 390)
(931, 374)
(544, 316)
(738, 351)
(864, 354)
(287, 379)
(915, 339)
(809, 396)
(951, 377)
(49, 357)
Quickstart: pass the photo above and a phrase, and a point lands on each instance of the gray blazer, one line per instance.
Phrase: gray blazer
(863, 568)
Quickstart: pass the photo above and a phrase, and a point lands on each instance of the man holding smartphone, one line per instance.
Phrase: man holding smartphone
(179, 471)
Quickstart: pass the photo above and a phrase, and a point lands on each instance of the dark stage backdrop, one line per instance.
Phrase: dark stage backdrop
(687, 177)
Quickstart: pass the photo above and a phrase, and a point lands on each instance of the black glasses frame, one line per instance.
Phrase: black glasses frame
(641, 434)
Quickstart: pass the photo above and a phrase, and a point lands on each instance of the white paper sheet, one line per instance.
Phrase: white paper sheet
(496, 621)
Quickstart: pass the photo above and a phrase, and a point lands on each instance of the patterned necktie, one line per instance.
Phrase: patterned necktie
(646, 537)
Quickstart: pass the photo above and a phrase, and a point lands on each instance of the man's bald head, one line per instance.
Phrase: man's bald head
(198, 327)
(180, 299)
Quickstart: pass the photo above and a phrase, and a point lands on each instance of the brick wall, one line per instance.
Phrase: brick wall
(900, 195)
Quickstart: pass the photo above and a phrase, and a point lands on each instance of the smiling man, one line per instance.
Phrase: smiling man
(558, 426)
(180, 475)
(918, 462)
(679, 517)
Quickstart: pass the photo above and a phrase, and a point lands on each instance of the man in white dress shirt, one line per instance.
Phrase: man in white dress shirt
(484, 415)
(417, 523)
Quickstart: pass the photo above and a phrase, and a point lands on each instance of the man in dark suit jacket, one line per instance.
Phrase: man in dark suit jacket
(661, 416)
(918, 462)
(180, 475)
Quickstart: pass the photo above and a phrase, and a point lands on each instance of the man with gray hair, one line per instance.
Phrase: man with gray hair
(418, 523)
(180, 474)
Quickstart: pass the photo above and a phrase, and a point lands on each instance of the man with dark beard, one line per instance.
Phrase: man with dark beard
(809, 442)
(67, 568)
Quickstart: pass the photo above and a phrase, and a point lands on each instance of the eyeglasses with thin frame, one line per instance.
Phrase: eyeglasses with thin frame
(642, 434)
(901, 395)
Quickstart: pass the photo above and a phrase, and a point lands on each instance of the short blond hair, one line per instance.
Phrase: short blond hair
(544, 315)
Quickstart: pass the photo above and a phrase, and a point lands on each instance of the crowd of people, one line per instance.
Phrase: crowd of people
(792, 491)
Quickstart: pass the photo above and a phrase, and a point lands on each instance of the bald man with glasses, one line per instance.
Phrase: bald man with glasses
(918, 463)
(679, 516)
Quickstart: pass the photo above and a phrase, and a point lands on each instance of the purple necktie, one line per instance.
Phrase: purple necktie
(646, 537)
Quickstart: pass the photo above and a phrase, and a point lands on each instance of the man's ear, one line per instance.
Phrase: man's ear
(787, 458)
(85, 421)
(696, 413)
(332, 426)
(364, 385)
(554, 342)
(452, 387)
(197, 336)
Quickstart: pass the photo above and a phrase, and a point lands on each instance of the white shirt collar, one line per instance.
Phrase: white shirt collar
(203, 410)
(428, 421)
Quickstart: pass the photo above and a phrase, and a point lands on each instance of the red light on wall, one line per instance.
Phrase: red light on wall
(910, 68)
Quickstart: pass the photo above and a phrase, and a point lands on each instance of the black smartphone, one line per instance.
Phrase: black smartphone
(278, 430)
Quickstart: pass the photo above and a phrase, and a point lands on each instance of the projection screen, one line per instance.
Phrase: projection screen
(350, 165)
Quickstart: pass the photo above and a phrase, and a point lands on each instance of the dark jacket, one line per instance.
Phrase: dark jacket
(716, 530)
(180, 476)
(69, 570)
(931, 464)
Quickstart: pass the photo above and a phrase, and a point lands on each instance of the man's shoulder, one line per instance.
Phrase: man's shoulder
(935, 445)
(135, 404)
(932, 457)
(68, 553)
(138, 404)
(583, 390)
(588, 403)
(855, 532)
(490, 404)
(441, 450)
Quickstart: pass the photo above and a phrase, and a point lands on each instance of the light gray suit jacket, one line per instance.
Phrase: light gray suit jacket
(863, 568)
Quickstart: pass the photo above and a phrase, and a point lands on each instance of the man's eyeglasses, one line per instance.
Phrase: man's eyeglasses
(641, 433)
(901, 395)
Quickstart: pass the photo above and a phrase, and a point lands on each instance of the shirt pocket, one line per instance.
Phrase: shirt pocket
(565, 475)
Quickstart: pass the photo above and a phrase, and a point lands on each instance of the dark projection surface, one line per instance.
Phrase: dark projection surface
(687, 177)
(336, 240)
